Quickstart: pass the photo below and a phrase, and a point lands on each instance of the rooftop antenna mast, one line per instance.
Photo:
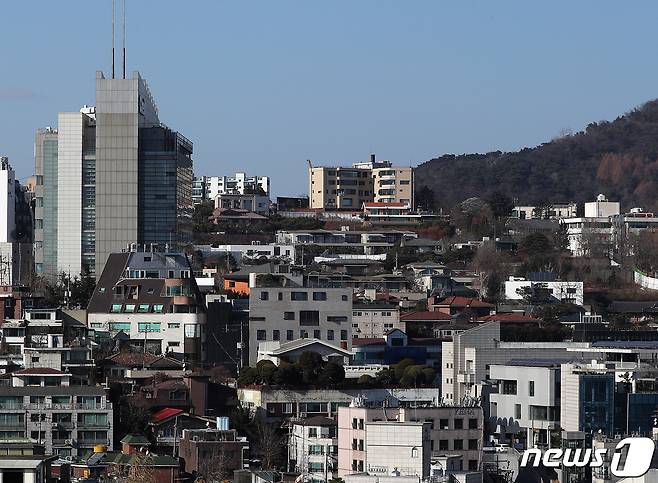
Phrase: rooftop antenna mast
(113, 15)
(123, 70)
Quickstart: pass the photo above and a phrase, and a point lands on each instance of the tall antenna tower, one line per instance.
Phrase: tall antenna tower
(113, 15)
(123, 70)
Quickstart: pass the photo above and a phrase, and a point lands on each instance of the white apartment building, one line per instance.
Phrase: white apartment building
(313, 448)
(466, 360)
(526, 408)
(284, 309)
(374, 320)
(564, 291)
(7, 201)
(592, 234)
(208, 187)
(554, 211)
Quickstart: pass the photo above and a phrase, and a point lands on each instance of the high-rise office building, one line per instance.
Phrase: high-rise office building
(7, 202)
(110, 176)
(143, 171)
(45, 202)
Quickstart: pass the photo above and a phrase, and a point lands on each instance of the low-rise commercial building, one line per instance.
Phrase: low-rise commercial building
(285, 308)
(526, 406)
(466, 360)
(447, 430)
(277, 403)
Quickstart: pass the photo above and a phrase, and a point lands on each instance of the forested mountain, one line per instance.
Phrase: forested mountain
(618, 158)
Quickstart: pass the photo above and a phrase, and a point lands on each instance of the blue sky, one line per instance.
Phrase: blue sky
(261, 86)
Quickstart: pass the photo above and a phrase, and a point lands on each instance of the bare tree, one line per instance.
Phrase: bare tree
(269, 444)
(217, 467)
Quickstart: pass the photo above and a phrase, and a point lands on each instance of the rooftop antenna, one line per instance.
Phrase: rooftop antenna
(113, 15)
(124, 41)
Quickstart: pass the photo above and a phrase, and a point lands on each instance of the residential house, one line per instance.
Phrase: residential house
(153, 298)
(313, 447)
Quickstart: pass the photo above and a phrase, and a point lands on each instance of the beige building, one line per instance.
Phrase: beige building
(349, 188)
(453, 430)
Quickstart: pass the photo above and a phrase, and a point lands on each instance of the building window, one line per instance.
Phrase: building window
(260, 335)
(115, 308)
(303, 334)
(472, 444)
(319, 296)
(173, 325)
(343, 298)
(317, 334)
(355, 444)
(459, 423)
(289, 316)
(472, 423)
(531, 388)
(472, 465)
(443, 424)
(330, 334)
(290, 335)
(276, 335)
(354, 423)
(343, 335)
(309, 317)
(148, 326)
(336, 318)
(517, 411)
(443, 445)
(361, 426)
(298, 296)
(264, 295)
(509, 387)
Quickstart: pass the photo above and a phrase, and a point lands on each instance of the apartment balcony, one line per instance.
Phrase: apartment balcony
(12, 425)
(93, 442)
(465, 378)
(57, 407)
(68, 425)
(82, 425)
